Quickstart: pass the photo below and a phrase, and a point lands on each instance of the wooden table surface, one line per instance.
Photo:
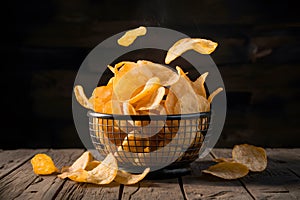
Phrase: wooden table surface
(281, 180)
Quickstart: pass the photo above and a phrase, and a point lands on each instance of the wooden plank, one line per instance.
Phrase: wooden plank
(12, 159)
(147, 189)
(276, 182)
(22, 183)
(289, 158)
(203, 186)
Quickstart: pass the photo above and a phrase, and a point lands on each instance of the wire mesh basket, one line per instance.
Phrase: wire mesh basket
(155, 141)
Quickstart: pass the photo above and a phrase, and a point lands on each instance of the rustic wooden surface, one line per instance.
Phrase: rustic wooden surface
(281, 180)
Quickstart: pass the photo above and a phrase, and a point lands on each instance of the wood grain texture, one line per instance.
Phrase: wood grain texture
(22, 183)
(12, 159)
(276, 181)
(279, 181)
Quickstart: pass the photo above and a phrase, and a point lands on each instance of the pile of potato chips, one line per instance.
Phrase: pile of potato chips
(87, 170)
(147, 88)
(245, 158)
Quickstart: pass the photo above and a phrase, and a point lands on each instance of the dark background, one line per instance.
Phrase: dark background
(46, 41)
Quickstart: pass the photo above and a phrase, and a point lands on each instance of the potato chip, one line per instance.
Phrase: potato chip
(130, 36)
(213, 94)
(255, 158)
(121, 68)
(126, 84)
(135, 144)
(228, 170)
(151, 86)
(198, 85)
(126, 178)
(79, 175)
(186, 96)
(91, 165)
(128, 109)
(43, 164)
(101, 95)
(105, 172)
(153, 101)
(170, 103)
(81, 163)
(81, 97)
(202, 46)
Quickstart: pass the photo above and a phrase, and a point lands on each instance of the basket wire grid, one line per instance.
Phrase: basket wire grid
(140, 141)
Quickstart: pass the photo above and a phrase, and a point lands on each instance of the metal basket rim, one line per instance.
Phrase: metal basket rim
(148, 117)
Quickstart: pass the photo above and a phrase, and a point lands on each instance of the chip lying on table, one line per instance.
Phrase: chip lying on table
(88, 170)
(245, 158)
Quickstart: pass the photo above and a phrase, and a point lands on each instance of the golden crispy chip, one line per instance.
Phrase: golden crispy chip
(151, 86)
(204, 105)
(81, 163)
(137, 76)
(228, 170)
(105, 172)
(79, 175)
(223, 160)
(185, 94)
(255, 158)
(91, 165)
(101, 95)
(135, 144)
(126, 178)
(129, 37)
(198, 85)
(213, 94)
(170, 103)
(122, 68)
(81, 97)
(153, 102)
(43, 164)
(202, 46)
(128, 109)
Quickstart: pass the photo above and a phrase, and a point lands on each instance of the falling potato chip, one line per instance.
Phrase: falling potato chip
(255, 158)
(202, 46)
(81, 97)
(129, 37)
(43, 164)
(126, 178)
(228, 170)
